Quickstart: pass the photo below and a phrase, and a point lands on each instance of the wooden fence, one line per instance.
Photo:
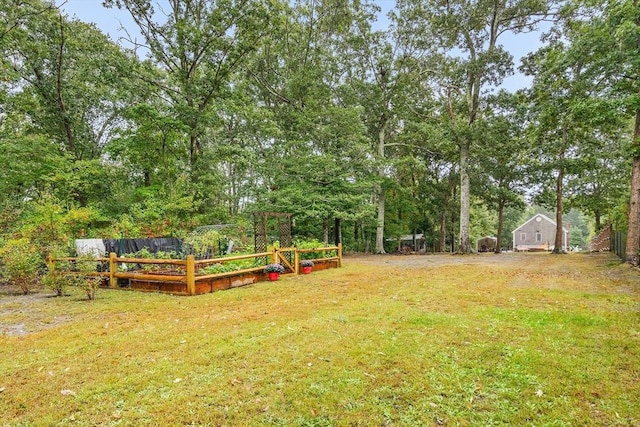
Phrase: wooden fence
(184, 277)
(610, 240)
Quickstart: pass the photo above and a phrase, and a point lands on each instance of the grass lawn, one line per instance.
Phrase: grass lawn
(514, 339)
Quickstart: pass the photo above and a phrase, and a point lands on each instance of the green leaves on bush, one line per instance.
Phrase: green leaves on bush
(21, 263)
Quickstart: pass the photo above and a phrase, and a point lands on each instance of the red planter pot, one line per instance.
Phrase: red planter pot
(273, 276)
(306, 270)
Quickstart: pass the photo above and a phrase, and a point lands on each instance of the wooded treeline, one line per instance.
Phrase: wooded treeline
(226, 107)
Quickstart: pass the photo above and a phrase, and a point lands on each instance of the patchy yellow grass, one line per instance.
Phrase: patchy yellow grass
(516, 339)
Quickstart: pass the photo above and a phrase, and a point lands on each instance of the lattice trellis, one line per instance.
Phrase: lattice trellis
(269, 227)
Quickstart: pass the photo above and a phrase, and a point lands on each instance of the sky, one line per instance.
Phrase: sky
(111, 21)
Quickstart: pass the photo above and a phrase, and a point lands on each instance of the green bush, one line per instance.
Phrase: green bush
(21, 263)
(236, 265)
(87, 266)
(57, 279)
(203, 245)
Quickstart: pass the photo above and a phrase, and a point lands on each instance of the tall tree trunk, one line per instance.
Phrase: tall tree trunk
(465, 239)
(453, 231)
(193, 151)
(325, 231)
(633, 227)
(380, 224)
(337, 231)
(365, 238)
(558, 246)
(64, 114)
(559, 240)
(380, 191)
(500, 225)
(443, 230)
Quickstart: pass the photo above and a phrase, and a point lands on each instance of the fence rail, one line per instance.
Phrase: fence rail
(187, 270)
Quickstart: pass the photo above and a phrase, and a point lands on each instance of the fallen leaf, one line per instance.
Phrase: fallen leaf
(67, 392)
(2, 389)
(177, 380)
(539, 393)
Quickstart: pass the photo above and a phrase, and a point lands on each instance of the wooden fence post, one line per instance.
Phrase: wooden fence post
(113, 267)
(296, 260)
(191, 275)
(275, 256)
(339, 254)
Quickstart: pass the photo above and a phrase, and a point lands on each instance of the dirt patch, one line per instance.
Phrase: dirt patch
(23, 314)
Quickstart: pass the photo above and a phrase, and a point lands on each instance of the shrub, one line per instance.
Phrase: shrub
(22, 263)
(57, 279)
(203, 245)
(58, 275)
(86, 278)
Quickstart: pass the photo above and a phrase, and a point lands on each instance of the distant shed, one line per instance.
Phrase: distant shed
(486, 244)
(412, 243)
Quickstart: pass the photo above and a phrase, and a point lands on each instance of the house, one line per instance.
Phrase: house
(486, 244)
(538, 233)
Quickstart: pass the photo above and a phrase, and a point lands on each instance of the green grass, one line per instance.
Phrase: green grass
(531, 340)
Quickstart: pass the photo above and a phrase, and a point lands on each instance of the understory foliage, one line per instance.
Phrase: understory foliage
(353, 116)
(80, 274)
(21, 263)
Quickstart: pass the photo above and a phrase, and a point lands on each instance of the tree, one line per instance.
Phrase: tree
(315, 162)
(68, 79)
(61, 99)
(579, 96)
(466, 34)
(557, 132)
(199, 46)
(605, 43)
(503, 161)
(603, 182)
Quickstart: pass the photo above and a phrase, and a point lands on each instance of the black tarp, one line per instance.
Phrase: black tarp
(153, 245)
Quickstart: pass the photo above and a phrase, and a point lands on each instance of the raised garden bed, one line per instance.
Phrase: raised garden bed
(179, 276)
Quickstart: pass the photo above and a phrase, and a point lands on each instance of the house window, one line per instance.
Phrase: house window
(538, 237)
(523, 236)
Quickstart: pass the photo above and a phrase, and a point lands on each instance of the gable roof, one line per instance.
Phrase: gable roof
(410, 237)
(544, 217)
